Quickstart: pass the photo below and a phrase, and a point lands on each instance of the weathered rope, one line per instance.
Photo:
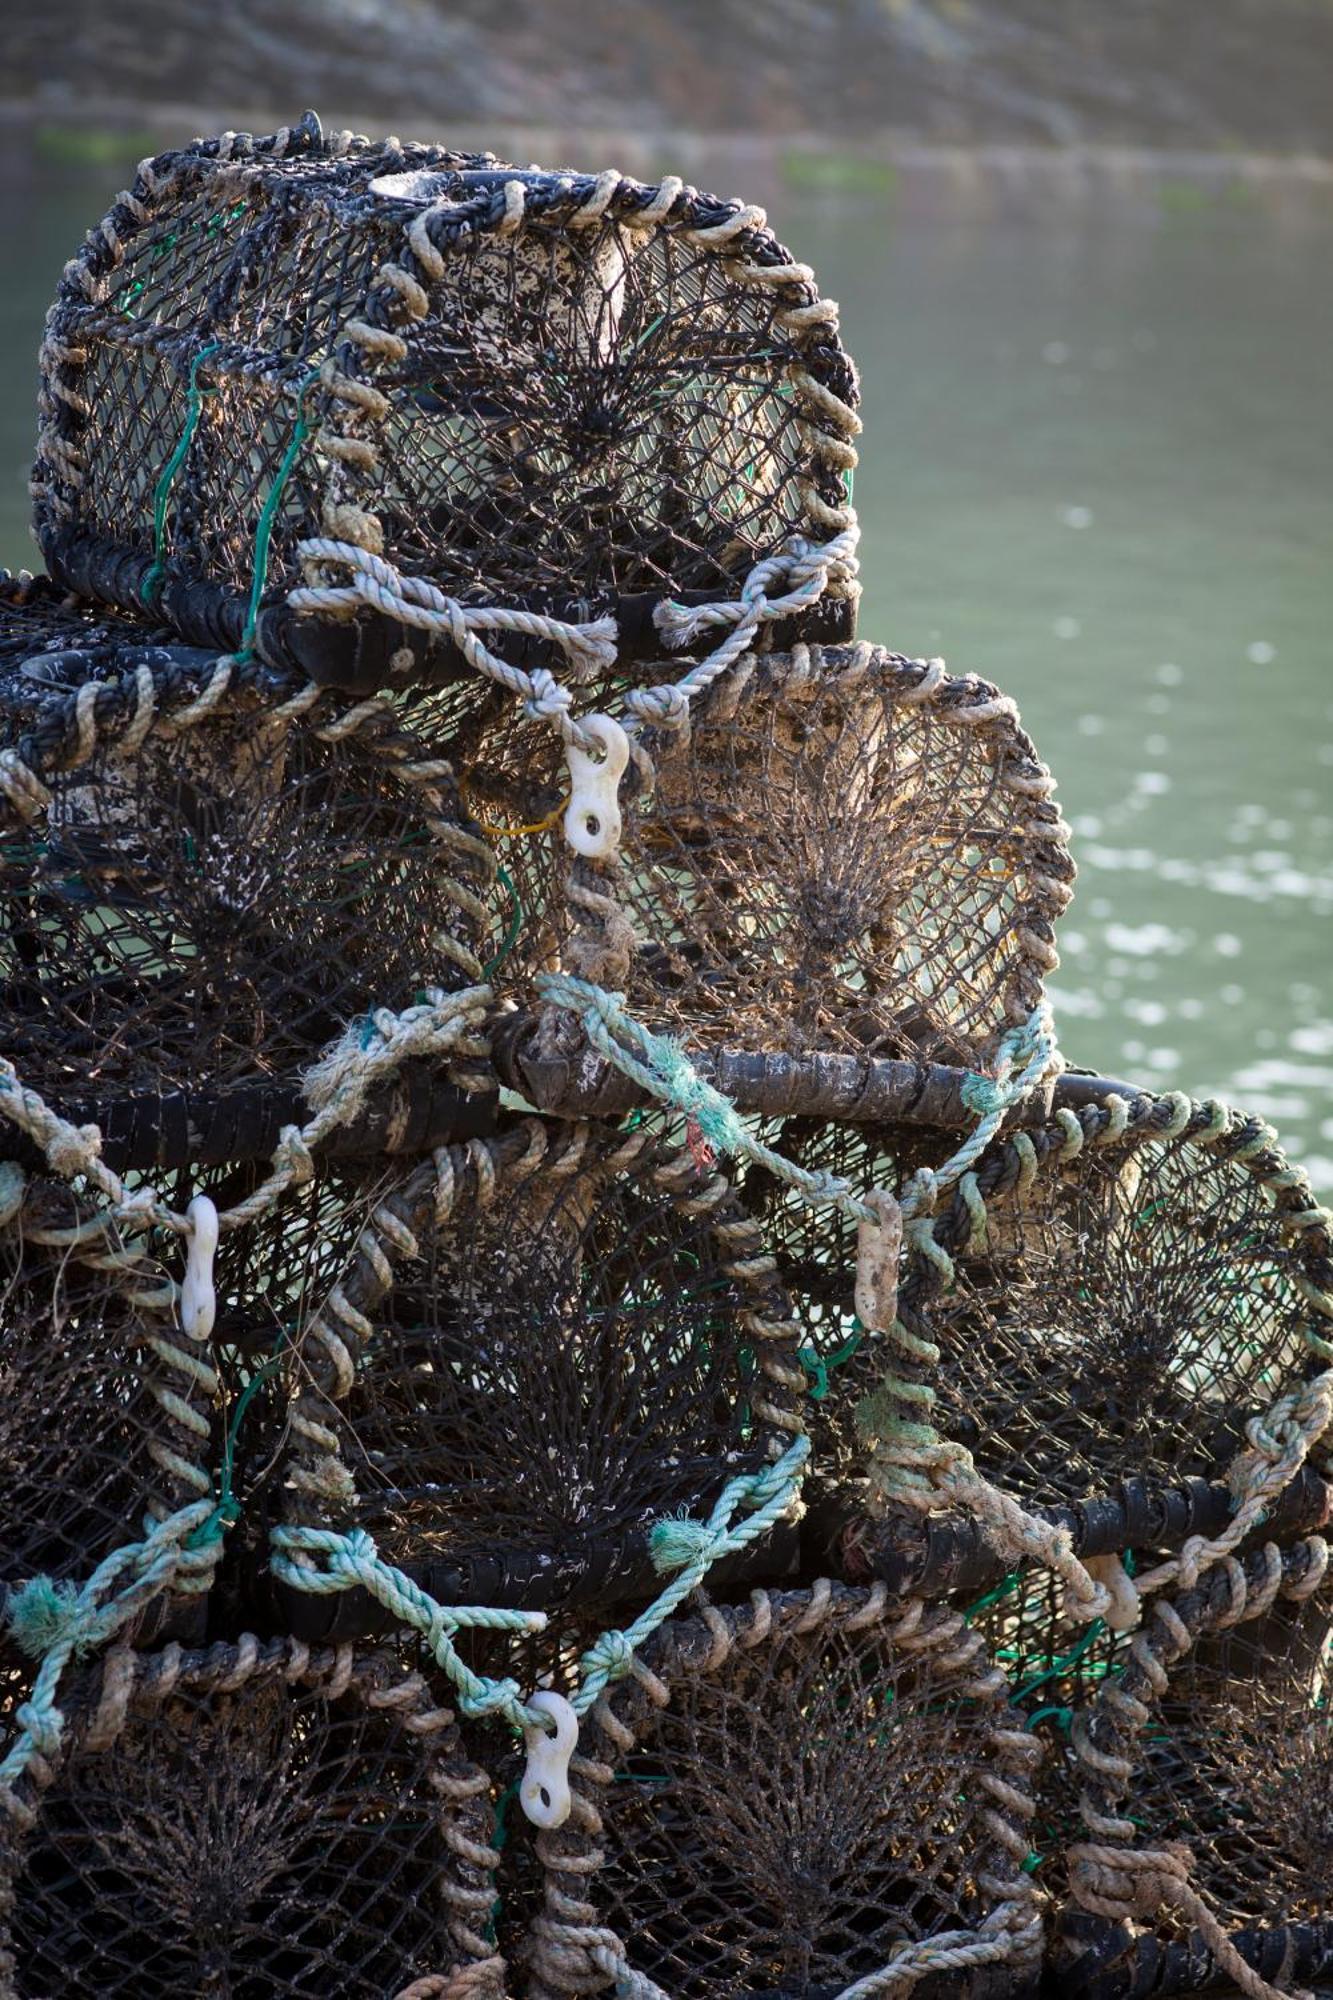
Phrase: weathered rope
(335, 1087)
(1129, 1884)
(58, 1622)
(376, 584)
(689, 1548)
(806, 569)
(660, 1066)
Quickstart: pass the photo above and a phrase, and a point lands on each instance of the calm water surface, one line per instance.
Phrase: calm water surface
(1098, 469)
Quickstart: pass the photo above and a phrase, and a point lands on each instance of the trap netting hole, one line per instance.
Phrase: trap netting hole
(252, 1822)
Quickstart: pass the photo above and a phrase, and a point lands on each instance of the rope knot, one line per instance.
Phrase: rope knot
(612, 1655)
(293, 1157)
(674, 1543)
(1128, 1884)
(547, 698)
(46, 1615)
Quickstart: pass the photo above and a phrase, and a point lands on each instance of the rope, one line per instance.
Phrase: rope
(60, 1621)
(806, 569)
(690, 1548)
(1135, 1884)
(336, 1088)
(660, 1066)
(376, 584)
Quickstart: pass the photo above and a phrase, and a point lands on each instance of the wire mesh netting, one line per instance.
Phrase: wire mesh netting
(106, 1410)
(851, 853)
(576, 395)
(250, 1820)
(206, 875)
(575, 1346)
(1210, 1739)
(111, 1415)
(792, 1794)
(1132, 1302)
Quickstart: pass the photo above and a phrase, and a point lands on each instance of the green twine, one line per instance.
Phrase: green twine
(152, 583)
(820, 1366)
(516, 921)
(268, 513)
(227, 1510)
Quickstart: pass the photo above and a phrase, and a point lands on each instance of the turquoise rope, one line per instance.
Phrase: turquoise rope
(57, 1621)
(660, 1066)
(690, 1548)
(152, 582)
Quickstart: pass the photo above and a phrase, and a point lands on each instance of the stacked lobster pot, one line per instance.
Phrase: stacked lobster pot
(587, 1404)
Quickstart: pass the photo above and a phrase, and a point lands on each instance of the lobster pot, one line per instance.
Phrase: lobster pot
(112, 1414)
(254, 1819)
(107, 1410)
(1232, 1757)
(583, 1336)
(1132, 1299)
(790, 1797)
(205, 877)
(852, 854)
(571, 395)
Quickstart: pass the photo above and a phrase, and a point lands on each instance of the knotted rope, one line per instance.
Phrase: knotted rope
(806, 569)
(689, 1548)
(58, 1622)
(1129, 1885)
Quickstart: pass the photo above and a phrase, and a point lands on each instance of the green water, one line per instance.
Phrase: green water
(1098, 469)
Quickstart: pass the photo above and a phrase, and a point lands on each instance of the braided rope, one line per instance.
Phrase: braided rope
(65, 1621)
(336, 1086)
(660, 1066)
(807, 570)
(688, 1547)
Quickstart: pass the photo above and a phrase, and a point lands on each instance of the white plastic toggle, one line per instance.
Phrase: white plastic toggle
(878, 1245)
(592, 817)
(544, 1790)
(199, 1302)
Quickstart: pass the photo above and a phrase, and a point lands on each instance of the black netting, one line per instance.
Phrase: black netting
(251, 1822)
(578, 408)
(109, 1414)
(571, 1357)
(812, 1797)
(92, 1436)
(1126, 1314)
(204, 908)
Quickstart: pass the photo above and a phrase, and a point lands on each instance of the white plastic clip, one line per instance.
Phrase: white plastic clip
(592, 817)
(199, 1304)
(878, 1245)
(544, 1790)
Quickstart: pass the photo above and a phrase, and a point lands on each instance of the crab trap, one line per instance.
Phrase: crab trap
(1205, 1782)
(208, 874)
(1108, 1304)
(121, 1412)
(851, 857)
(548, 1347)
(364, 408)
(254, 1819)
(818, 1793)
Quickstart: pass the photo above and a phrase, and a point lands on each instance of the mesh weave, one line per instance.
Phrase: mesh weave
(1128, 1310)
(204, 904)
(578, 1347)
(796, 1790)
(568, 409)
(249, 1821)
(852, 853)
